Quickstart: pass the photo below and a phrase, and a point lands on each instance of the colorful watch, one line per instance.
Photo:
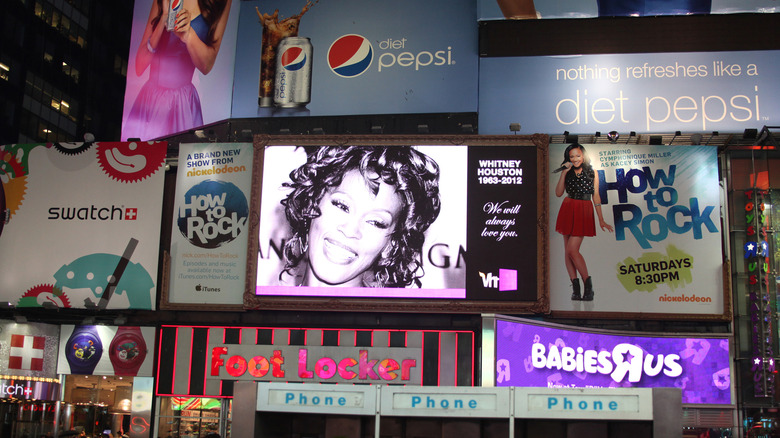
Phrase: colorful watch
(127, 351)
(83, 349)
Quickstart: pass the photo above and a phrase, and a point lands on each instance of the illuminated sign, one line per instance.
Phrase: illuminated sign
(84, 231)
(654, 246)
(551, 356)
(321, 399)
(585, 403)
(206, 358)
(647, 92)
(28, 390)
(209, 232)
(334, 364)
(434, 201)
(316, 398)
(445, 402)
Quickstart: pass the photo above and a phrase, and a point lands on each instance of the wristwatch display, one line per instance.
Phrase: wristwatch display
(127, 351)
(83, 349)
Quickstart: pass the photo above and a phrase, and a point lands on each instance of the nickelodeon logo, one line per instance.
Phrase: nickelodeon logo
(505, 281)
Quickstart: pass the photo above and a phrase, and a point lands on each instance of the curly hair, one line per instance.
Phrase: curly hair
(415, 177)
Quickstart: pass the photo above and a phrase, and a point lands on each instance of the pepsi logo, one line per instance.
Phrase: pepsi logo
(293, 59)
(350, 55)
(176, 4)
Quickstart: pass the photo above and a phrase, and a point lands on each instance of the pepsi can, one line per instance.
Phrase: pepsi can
(173, 8)
(292, 83)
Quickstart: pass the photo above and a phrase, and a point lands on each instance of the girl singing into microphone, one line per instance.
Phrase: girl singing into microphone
(575, 218)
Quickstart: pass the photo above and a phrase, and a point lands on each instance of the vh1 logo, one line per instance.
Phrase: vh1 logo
(505, 281)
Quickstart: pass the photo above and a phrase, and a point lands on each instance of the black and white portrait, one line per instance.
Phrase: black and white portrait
(363, 218)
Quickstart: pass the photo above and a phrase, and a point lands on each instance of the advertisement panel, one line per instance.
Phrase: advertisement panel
(355, 57)
(84, 227)
(106, 350)
(393, 220)
(658, 249)
(29, 349)
(542, 355)
(211, 360)
(513, 9)
(209, 234)
(22, 389)
(642, 92)
(179, 78)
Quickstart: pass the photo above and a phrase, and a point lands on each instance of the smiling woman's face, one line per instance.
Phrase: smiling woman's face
(576, 157)
(353, 229)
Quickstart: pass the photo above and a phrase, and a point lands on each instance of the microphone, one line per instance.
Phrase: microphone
(560, 169)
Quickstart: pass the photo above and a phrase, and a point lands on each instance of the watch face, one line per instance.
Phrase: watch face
(128, 350)
(84, 349)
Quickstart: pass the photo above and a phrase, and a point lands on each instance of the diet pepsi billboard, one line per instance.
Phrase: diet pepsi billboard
(532, 354)
(343, 57)
(642, 92)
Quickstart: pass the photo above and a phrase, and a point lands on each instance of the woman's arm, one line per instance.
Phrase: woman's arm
(151, 37)
(561, 186)
(515, 9)
(203, 55)
(597, 203)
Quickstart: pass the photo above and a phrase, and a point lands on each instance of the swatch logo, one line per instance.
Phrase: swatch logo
(505, 281)
(350, 55)
(293, 59)
(93, 213)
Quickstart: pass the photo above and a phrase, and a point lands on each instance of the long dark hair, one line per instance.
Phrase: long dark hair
(586, 167)
(415, 177)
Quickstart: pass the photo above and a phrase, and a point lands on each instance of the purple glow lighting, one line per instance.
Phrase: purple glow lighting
(507, 279)
(529, 355)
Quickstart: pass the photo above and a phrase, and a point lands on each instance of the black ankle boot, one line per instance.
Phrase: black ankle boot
(588, 296)
(575, 285)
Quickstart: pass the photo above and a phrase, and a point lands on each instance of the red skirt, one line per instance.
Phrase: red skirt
(575, 218)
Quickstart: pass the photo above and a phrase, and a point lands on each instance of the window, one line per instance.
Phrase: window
(193, 417)
(4, 71)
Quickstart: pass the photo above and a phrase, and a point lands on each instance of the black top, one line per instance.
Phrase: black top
(579, 186)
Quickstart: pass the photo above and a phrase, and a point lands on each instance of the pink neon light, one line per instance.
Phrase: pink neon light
(159, 358)
(455, 383)
(472, 360)
(422, 358)
(438, 374)
(273, 334)
(189, 368)
(360, 292)
(207, 363)
(338, 338)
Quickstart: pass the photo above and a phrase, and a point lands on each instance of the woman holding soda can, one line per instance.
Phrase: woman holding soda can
(180, 36)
